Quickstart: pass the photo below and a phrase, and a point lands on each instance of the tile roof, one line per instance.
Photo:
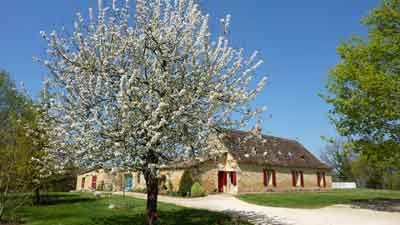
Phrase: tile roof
(269, 150)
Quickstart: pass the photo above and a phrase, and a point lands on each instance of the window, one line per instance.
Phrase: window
(321, 179)
(269, 177)
(297, 178)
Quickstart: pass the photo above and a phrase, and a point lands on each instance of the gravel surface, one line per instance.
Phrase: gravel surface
(332, 215)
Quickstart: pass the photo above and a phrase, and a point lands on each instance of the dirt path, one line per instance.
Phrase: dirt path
(332, 215)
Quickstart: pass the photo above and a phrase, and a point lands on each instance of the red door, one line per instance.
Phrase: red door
(233, 178)
(220, 181)
(94, 179)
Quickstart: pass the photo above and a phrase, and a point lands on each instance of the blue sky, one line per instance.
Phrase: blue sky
(296, 39)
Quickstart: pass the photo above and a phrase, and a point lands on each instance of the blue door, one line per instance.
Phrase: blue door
(128, 182)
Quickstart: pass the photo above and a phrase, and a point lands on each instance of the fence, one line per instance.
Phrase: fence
(344, 185)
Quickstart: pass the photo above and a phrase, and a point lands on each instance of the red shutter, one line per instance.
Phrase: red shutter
(294, 178)
(318, 179)
(274, 178)
(94, 179)
(233, 178)
(220, 181)
(265, 177)
(323, 177)
(301, 178)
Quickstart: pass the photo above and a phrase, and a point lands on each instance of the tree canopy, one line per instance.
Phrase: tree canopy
(142, 90)
(364, 88)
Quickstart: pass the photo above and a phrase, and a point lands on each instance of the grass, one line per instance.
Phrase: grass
(84, 209)
(311, 200)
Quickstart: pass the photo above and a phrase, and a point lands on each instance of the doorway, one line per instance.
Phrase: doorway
(222, 180)
(128, 182)
(227, 181)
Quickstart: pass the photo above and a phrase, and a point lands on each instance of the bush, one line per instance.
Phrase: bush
(197, 190)
(186, 184)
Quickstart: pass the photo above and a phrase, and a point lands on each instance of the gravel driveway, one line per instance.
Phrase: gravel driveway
(332, 215)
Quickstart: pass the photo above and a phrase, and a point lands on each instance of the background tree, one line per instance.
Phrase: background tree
(339, 155)
(38, 129)
(25, 164)
(364, 88)
(15, 147)
(369, 172)
(142, 90)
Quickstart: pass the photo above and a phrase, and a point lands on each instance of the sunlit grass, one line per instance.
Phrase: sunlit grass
(85, 209)
(317, 199)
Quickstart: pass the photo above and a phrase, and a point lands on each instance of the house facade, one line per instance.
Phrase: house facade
(94, 179)
(243, 164)
(247, 165)
(105, 179)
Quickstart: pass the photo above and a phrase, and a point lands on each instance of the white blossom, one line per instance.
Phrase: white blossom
(125, 86)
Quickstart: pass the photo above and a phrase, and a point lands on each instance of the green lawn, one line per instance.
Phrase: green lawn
(84, 209)
(311, 200)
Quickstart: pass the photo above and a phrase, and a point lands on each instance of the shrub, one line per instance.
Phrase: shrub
(186, 184)
(197, 190)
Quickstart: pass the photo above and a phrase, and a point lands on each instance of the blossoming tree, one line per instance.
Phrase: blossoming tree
(144, 88)
(46, 141)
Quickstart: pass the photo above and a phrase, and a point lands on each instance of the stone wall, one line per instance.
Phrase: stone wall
(138, 181)
(205, 173)
(208, 177)
(250, 179)
(104, 180)
(172, 178)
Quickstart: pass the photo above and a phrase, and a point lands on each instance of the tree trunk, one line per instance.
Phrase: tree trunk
(123, 186)
(3, 197)
(150, 175)
(37, 199)
(1, 211)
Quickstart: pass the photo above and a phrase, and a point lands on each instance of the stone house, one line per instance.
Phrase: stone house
(253, 164)
(242, 164)
(94, 179)
(106, 179)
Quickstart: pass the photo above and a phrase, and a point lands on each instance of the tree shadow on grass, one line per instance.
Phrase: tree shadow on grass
(118, 220)
(378, 204)
(179, 217)
(59, 199)
(189, 216)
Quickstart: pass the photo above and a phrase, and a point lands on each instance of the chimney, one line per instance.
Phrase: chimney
(257, 130)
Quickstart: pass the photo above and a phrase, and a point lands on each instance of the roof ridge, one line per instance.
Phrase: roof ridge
(264, 135)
